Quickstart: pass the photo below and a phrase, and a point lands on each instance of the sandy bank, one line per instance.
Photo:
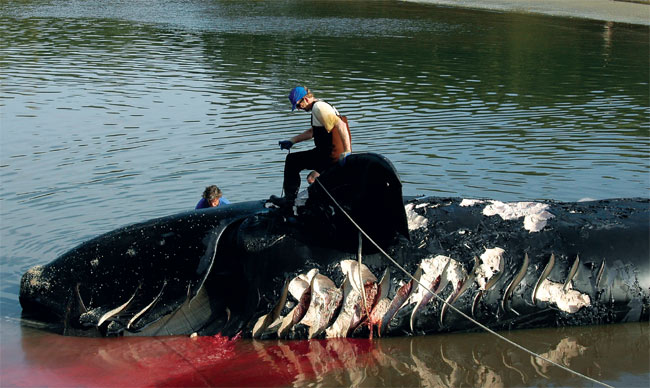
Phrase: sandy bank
(606, 10)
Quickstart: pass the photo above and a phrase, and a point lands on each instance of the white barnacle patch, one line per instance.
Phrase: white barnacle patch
(490, 263)
(130, 252)
(94, 262)
(535, 214)
(471, 202)
(415, 221)
(36, 279)
(568, 300)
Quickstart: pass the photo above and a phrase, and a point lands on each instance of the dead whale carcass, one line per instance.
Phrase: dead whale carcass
(276, 273)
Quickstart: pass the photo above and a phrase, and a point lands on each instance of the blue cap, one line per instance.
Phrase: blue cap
(296, 94)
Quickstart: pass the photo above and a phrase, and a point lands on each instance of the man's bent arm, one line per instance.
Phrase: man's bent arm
(308, 134)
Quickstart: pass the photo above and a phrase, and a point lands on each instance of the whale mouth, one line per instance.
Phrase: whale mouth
(36, 314)
(35, 285)
(45, 308)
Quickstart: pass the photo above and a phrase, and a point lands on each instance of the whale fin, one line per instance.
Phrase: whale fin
(402, 295)
(266, 320)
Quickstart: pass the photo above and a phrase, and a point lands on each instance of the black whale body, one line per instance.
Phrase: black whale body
(226, 270)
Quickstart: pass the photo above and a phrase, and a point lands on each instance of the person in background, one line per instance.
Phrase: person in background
(212, 197)
(331, 136)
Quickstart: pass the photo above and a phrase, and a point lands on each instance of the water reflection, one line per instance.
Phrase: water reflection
(473, 359)
(476, 359)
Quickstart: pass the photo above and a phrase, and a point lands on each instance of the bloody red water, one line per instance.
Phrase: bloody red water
(43, 359)
(614, 354)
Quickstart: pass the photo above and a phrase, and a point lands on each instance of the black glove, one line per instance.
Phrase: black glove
(285, 144)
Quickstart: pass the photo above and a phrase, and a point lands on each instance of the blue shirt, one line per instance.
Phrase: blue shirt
(203, 204)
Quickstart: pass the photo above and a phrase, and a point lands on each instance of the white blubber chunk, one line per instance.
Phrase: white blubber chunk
(415, 221)
(535, 214)
(432, 268)
(446, 269)
(568, 301)
(490, 263)
(471, 202)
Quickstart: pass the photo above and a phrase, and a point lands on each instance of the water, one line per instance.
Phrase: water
(117, 112)
(436, 361)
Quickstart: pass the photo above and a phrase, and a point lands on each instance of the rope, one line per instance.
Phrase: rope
(361, 283)
(282, 192)
(482, 326)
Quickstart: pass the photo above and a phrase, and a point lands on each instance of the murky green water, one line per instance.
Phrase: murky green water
(116, 112)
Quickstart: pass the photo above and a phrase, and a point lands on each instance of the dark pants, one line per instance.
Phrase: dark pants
(298, 161)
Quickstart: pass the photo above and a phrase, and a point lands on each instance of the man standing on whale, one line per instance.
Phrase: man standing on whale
(331, 136)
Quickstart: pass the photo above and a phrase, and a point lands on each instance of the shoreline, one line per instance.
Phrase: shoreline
(618, 11)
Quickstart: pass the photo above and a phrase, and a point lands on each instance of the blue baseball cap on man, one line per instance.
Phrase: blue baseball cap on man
(296, 94)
